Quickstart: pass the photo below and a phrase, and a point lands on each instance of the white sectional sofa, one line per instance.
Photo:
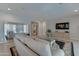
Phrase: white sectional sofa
(38, 47)
(76, 48)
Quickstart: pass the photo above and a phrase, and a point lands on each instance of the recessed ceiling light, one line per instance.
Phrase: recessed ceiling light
(75, 10)
(9, 9)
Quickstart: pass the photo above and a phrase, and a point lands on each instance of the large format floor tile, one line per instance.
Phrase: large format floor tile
(4, 49)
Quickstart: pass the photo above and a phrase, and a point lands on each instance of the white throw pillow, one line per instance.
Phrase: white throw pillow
(55, 45)
(52, 43)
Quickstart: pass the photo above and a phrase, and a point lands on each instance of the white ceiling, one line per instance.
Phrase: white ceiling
(31, 11)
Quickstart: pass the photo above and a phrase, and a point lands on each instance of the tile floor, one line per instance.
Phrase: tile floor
(5, 48)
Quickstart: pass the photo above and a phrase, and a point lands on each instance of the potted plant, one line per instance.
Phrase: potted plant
(49, 33)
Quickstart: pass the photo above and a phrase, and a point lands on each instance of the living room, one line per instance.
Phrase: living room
(50, 21)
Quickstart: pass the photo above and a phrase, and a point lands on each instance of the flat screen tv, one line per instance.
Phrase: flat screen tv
(64, 25)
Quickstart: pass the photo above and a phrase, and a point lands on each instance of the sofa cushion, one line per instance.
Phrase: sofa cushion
(22, 49)
(57, 52)
(41, 47)
(67, 49)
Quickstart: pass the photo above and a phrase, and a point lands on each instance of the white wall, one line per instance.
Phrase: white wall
(1, 32)
(50, 24)
(74, 26)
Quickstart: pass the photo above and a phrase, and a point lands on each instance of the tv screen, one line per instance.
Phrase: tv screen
(64, 25)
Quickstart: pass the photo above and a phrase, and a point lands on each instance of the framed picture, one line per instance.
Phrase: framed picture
(64, 25)
(34, 29)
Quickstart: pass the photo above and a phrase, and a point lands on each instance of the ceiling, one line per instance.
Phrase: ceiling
(40, 11)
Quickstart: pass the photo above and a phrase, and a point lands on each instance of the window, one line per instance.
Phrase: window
(26, 28)
(15, 28)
